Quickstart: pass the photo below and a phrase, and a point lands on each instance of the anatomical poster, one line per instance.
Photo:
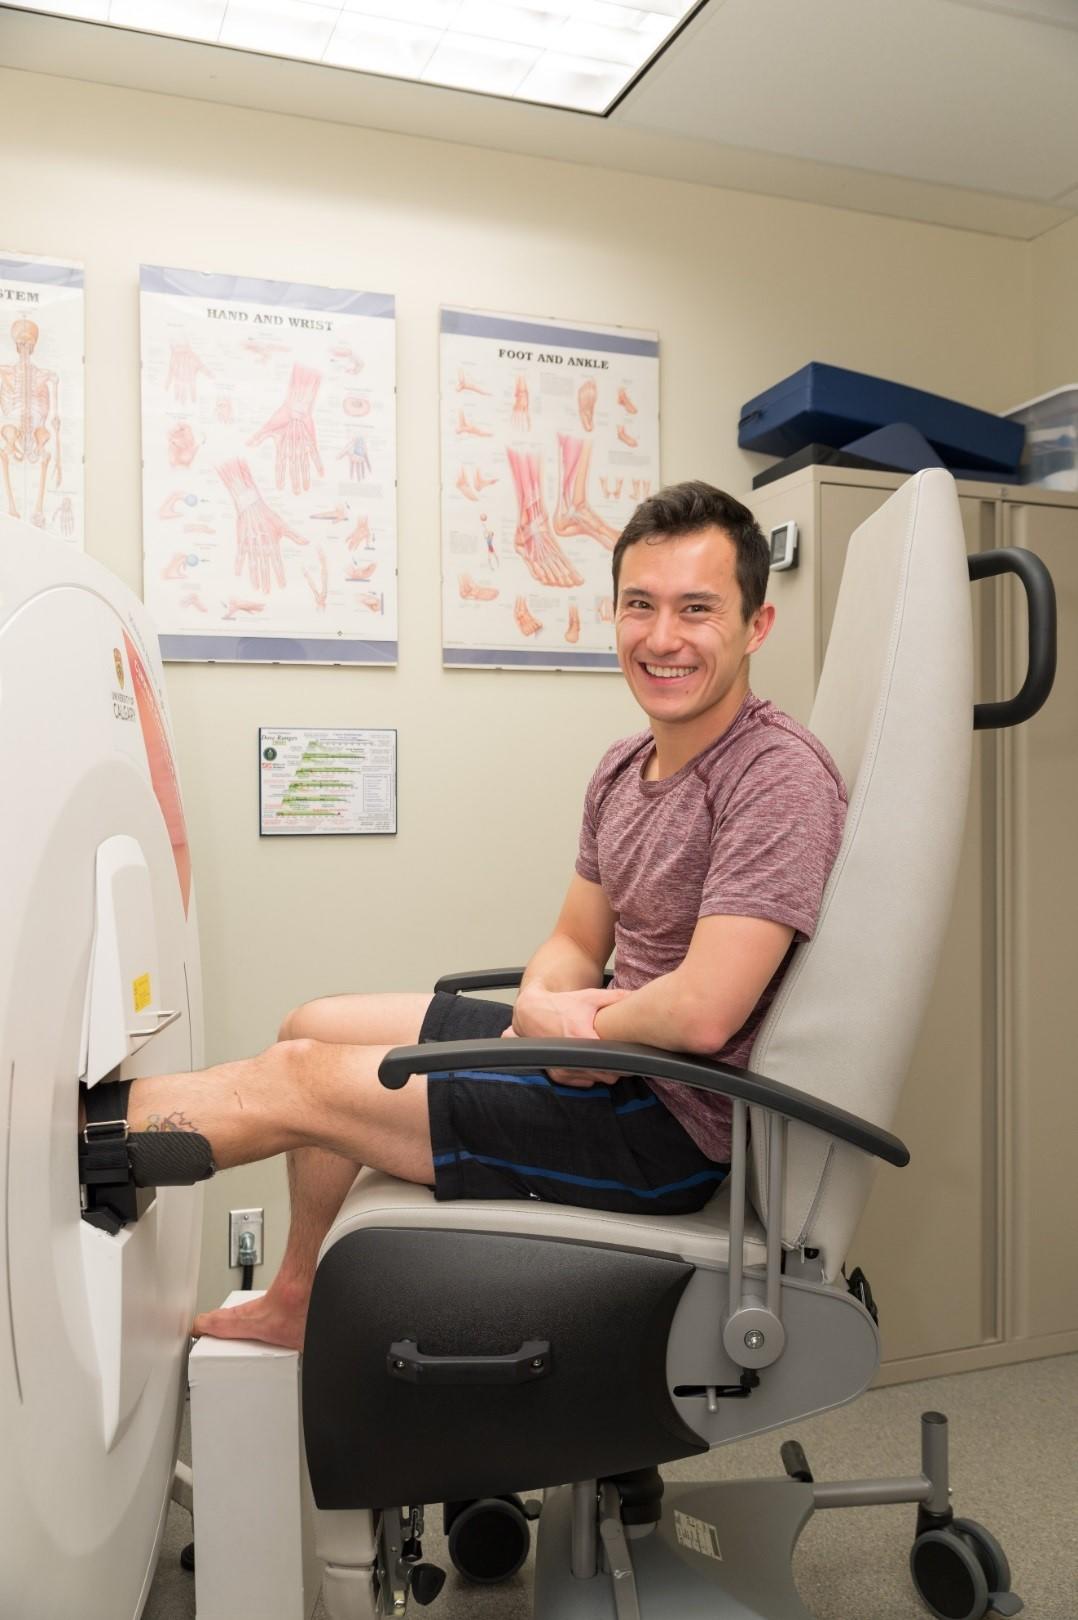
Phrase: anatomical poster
(269, 469)
(550, 439)
(42, 404)
(321, 780)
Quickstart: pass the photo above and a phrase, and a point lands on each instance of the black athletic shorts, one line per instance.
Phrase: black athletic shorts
(501, 1135)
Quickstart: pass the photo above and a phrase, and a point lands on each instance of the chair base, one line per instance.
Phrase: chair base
(721, 1552)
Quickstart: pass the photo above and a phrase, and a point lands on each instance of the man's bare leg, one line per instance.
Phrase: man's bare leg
(318, 1178)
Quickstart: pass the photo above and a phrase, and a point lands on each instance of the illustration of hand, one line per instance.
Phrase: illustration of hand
(193, 600)
(66, 518)
(259, 530)
(183, 447)
(359, 462)
(292, 429)
(360, 571)
(176, 567)
(353, 365)
(334, 514)
(360, 535)
(318, 580)
(170, 506)
(223, 409)
(372, 601)
(184, 367)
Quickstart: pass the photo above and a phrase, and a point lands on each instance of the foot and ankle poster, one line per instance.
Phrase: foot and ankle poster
(550, 439)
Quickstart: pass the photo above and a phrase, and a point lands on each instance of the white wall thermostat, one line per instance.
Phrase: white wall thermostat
(783, 544)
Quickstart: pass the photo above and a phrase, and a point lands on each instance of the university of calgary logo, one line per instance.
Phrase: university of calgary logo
(118, 661)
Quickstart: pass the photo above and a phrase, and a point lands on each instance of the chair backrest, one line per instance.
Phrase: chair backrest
(895, 709)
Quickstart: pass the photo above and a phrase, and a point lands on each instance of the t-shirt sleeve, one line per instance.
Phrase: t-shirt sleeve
(774, 842)
(587, 858)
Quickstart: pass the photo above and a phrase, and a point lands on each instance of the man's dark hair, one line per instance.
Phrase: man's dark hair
(681, 509)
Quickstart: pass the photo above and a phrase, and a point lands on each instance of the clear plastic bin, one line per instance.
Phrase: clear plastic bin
(1050, 457)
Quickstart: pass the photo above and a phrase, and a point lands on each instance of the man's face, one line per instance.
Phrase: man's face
(681, 636)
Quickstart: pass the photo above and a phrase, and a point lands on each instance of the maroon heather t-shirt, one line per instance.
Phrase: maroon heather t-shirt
(749, 828)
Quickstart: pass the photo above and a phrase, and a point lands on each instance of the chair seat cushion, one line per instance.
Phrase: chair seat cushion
(703, 1238)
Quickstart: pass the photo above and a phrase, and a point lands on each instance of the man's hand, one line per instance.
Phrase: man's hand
(540, 1014)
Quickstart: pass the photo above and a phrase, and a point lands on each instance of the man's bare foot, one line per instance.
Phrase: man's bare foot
(278, 1316)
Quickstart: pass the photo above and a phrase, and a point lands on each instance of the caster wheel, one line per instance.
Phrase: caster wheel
(992, 1558)
(948, 1576)
(488, 1539)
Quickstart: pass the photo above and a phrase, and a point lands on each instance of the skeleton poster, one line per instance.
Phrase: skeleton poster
(269, 469)
(42, 406)
(550, 439)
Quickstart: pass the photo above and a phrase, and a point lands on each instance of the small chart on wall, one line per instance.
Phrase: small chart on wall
(269, 469)
(550, 439)
(42, 401)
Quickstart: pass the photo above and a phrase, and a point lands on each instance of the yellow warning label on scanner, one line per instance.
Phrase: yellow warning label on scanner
(141, 990)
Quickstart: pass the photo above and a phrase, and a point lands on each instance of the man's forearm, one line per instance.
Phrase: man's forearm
(665, 1012)
(561, 964)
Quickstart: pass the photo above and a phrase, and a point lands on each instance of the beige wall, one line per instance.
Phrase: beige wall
(742, 290)
(1054, 291)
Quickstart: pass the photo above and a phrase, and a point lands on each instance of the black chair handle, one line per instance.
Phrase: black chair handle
(406, 1360)
(1041, 610)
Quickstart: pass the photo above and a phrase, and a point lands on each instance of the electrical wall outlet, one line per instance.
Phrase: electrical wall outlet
(245, 1237)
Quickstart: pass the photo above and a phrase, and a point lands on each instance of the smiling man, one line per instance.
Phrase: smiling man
(705, 847)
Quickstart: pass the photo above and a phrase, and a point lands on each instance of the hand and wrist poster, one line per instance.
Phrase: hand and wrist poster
(42, 404)
(269, 469)
(322, 780)
(550, 439)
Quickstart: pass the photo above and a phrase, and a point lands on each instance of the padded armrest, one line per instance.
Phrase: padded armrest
(525, 1056)
(491, 979)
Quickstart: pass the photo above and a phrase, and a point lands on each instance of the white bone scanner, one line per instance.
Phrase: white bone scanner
(99, 973)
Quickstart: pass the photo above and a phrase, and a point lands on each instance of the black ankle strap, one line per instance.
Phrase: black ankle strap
(106, 1104)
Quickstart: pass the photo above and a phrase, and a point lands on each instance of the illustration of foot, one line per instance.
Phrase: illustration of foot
(236, 606)
(625, 402)
(572, 629)
(465, 425)
(605, 610)
(471, 592)
(586, 395)
(533, 542)
(617, 489)
(573, 515)
(465, 384)
(521, 417)
(626, 437)
(527, 624)
(464, 486)
(482, 483)
(604, 485)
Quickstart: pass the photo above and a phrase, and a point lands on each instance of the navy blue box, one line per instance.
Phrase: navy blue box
(828, 405)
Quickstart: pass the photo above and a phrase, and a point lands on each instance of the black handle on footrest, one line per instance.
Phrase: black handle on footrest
(406, 1360)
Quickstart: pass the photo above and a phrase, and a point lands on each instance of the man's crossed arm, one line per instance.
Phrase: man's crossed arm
(696, 1008)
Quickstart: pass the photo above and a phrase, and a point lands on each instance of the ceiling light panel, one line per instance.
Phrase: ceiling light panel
(577, 54)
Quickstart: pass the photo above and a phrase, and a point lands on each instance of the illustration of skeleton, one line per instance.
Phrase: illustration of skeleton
(573, 515)
(533, 541)
(65, 518)
(292, 428)
(259, 532)
(184, 367)
(29, 419)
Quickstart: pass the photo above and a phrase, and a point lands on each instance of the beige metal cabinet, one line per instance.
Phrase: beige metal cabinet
(969, 1250)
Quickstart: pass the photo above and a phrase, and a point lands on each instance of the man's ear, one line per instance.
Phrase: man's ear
(763, 619)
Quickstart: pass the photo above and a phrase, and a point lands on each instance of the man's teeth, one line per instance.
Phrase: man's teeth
(668, 672)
